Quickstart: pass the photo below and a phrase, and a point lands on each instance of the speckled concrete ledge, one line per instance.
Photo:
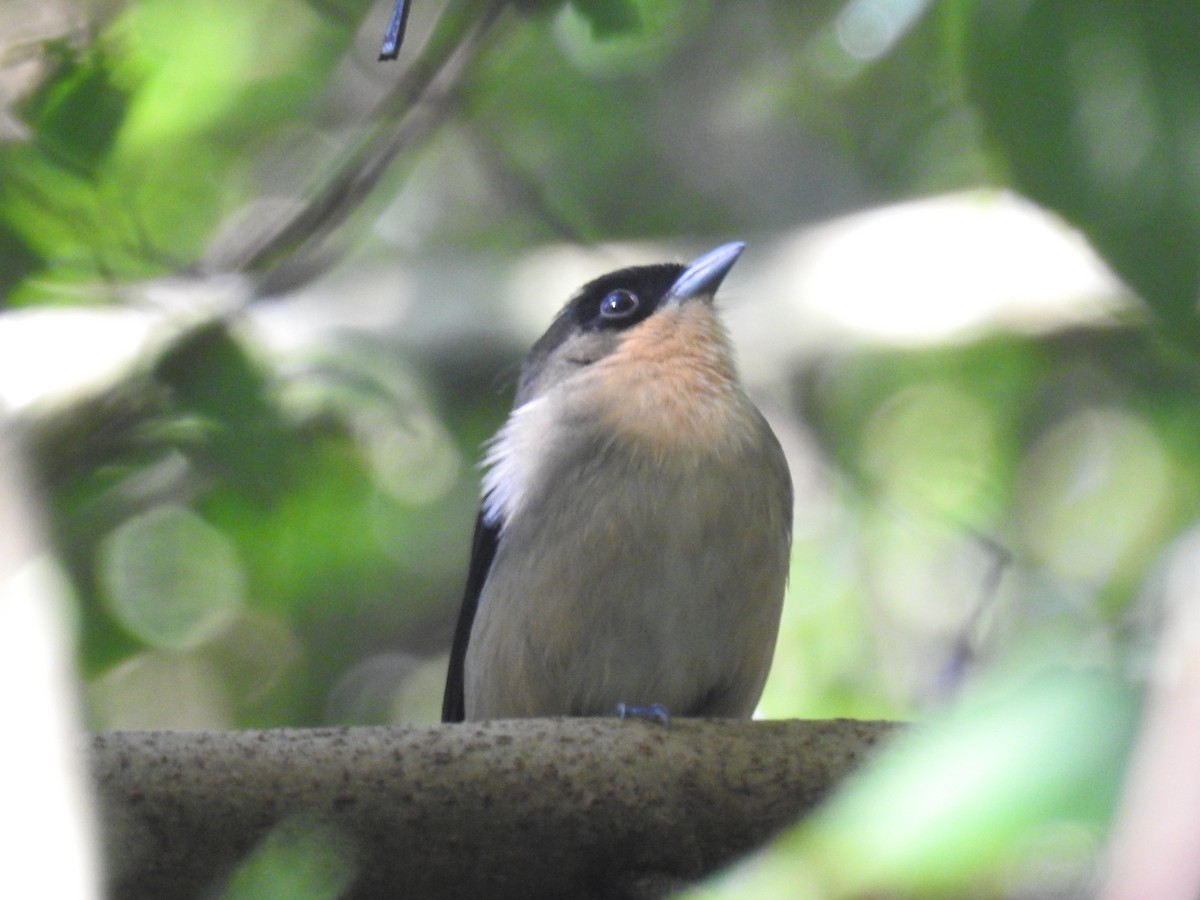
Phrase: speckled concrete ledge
(522, 808)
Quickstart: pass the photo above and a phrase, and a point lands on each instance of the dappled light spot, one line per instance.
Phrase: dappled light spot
(253, 653)
(170, 578)
(867, 29)
(387, 689)
(414, 460)
(408, 451)
(160, 689)
(933, 447)
(1115, 120)
(1095, 495)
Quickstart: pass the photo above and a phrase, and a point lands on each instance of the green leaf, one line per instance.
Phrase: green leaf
(609, 18)
(17, 260)
(78, 116)
(961, 800)
(1093, 107)
(214, 379)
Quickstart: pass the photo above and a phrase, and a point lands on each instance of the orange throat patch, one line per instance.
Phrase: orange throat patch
(677, 388)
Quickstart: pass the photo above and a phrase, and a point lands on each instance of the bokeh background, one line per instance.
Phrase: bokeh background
(264, 299)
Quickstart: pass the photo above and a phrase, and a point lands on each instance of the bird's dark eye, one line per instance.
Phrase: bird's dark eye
(619, 304)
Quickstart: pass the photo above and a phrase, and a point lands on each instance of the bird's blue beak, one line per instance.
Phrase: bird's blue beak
(705, 274)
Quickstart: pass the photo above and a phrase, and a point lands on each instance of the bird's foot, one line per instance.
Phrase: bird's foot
(655, 712)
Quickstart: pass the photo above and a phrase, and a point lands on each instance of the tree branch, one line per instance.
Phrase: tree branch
(522, 808)
(286, 250)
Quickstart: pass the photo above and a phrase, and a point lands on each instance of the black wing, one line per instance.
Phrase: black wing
(483, 551)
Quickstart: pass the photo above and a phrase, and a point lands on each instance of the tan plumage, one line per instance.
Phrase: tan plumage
(640, 511)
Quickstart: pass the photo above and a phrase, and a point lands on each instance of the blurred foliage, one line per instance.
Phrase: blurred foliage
(297, 861)
(263, 534)
(942, 814)
(1094, 109)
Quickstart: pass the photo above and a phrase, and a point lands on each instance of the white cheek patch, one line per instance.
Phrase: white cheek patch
(513, 454)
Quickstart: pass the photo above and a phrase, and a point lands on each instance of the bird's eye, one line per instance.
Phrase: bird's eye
(618, 304)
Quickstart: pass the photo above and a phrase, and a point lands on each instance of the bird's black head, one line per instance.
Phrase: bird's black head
(612, 302)
(583, 329)
(590, 325)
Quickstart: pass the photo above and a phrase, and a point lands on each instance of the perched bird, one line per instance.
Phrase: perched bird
(633, 542)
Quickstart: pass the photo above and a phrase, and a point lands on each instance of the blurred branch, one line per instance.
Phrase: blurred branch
(522, 808)
(283, 251)
(522, 188)
(288, 251)
(964, 651)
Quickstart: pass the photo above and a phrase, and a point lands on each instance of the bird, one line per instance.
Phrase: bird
(631, 549)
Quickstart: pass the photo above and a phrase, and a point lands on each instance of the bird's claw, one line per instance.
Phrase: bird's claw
(655, 712)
